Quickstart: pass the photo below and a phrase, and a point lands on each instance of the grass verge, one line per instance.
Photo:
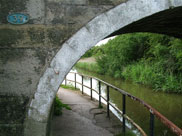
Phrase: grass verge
(69, 87)
(58, 106)
(143, 74)
(93, 67)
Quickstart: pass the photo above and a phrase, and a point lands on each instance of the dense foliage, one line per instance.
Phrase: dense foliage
(92, 52)
(151, 59)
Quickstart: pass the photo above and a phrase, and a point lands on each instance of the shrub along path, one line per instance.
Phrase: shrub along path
(85, 118)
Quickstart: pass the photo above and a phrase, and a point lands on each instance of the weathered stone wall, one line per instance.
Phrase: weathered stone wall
(12, 114)
(26, 50)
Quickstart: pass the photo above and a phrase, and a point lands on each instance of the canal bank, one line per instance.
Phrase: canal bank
(85, 118)
(170, 105)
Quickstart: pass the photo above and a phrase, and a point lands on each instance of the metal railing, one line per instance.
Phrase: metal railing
(153, 112)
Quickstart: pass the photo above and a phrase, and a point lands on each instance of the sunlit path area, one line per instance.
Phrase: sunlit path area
(84, 118)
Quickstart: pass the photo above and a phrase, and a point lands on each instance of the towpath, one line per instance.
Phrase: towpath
(85, 118)
(88, 60)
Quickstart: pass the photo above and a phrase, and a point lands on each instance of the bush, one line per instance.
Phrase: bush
(121, 51)
(93, 52)
(145, 58)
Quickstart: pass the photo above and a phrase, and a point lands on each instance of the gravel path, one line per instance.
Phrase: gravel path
(85, 118)
(88, 60)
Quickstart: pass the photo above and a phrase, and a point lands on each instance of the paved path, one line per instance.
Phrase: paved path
(85, 119)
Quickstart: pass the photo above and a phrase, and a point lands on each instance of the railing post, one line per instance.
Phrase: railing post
(91, 88)
(124, 112)
(151, 124)
(82, 84)
(100, 95)
(75, 81)
(65, 80)
(108, 98)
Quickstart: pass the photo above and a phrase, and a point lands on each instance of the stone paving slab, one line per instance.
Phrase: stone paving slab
(85, 118)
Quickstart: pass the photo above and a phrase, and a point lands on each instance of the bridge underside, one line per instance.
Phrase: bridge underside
(165, 22)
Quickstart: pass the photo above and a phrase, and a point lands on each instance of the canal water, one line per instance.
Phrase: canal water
(170, 105)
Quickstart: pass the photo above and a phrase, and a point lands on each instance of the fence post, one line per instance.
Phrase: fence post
(91, 88)
(100, 95)
(124, 112)
(75, 81)
(65, 80)
(108, 98)
(151, 124)
(82, 84)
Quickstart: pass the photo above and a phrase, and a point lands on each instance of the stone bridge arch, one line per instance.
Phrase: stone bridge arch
(159, 16)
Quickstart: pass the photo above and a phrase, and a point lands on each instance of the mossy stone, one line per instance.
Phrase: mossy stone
(8, 37)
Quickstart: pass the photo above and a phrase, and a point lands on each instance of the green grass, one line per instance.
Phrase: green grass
(143, 73)
(69, 87)
(58, 106)
(150, 75)
(93, 67)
